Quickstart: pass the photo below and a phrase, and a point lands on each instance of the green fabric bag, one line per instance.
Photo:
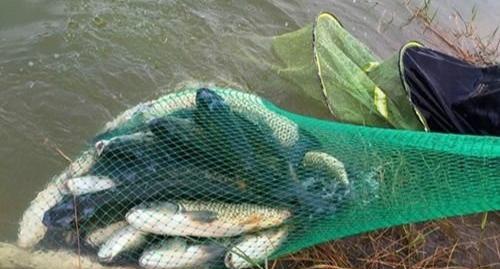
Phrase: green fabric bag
(327, 63)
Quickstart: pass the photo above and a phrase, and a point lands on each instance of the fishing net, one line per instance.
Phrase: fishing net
(325, 62)
(218, 178)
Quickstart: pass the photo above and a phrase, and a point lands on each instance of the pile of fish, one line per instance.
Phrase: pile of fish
(204, 178)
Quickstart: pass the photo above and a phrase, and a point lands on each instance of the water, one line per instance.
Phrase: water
(67, 67)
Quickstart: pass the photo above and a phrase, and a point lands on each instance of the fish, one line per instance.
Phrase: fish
(244, 150)
(176, 253)
(125, 239)
(131, 158)
(173, 129)
(31, 228)
(181, 137)
(204, 219)
(190, 144)
(252, 107)
(259, 112)
(323, 185)
(98, 236)
(89, 184)
(253, 249)
(224, 133)
(81, 166)
(114, 203)
(334, 167)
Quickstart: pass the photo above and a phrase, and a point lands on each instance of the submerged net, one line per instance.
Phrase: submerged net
(218, 178)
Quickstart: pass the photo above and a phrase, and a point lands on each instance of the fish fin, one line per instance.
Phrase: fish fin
(201, 216)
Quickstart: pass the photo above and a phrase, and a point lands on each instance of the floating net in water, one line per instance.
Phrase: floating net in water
(217, 178)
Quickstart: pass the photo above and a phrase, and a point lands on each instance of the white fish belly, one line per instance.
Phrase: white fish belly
(255, 248)
(191, 257)
(88, 184)
(127, 238)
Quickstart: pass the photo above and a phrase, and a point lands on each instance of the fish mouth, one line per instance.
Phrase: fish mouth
(68, 212)
(59, 218)
(100, 146)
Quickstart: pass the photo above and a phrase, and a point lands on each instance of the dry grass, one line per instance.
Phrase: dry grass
(462, 242)
(468, 242)
(463, 40)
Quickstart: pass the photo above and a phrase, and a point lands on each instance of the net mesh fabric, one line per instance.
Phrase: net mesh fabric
(221, 178)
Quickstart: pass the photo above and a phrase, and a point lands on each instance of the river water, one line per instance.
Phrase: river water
(67, 67)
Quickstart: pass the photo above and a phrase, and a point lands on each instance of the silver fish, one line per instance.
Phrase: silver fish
(99, 236)
(204, 219)
(176, 254)
(255, 248)
(126, 238)
(89, 184)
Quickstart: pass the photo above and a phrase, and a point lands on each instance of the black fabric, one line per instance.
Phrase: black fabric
(453, 96)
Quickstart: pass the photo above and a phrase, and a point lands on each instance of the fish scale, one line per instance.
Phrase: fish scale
(204, 219)
(233, 212)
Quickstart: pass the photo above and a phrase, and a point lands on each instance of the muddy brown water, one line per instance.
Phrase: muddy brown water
(68, 67)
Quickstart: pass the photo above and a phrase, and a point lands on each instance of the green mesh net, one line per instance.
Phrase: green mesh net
(327, 63)
(217, 178)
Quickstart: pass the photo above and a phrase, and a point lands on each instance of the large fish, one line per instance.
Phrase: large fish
(161, 144)
(253, 249)
(204, 219)
(245, 146)
(242, 143)
(223, 132)
(112, 204)
(131, 158)
(182, 138)
(176, 253)
(250, 106)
